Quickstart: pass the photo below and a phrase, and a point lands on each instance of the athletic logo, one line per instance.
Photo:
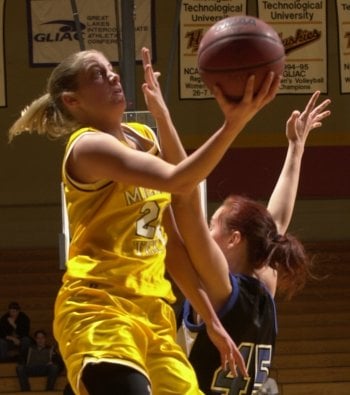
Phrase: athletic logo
(67, 30)
(301, 38)
(193, 39)
(67, 26)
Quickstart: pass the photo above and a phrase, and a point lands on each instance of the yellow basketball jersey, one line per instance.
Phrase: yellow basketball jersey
(116, 235)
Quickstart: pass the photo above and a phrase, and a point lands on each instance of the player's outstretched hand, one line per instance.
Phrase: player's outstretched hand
(300, 124)
(151, 88)
(231, 358)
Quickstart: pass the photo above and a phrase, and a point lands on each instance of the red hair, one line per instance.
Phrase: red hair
(284, 253)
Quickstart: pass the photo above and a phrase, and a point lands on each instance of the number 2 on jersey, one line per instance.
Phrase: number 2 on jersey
(150, 213)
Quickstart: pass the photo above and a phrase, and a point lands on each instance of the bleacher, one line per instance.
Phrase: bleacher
(313, 346)
(32, 278)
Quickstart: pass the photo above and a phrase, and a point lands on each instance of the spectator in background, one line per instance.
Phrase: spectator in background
(14, 332)
(41, 361)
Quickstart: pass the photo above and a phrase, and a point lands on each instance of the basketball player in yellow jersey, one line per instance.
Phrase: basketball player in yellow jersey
(113, 322)
(121, 276)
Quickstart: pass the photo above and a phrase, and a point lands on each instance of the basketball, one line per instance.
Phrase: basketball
(235, 48)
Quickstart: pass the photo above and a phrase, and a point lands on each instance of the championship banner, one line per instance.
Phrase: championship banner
(2, 58)
(302, 27)
(195, 19)
(53, 33)
(344, 44)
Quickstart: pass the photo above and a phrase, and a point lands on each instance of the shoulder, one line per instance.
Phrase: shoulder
(268, 277)
(87, 137)
(88, 134)
(91, 142)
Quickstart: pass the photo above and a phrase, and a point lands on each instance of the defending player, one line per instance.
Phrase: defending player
(242, 260)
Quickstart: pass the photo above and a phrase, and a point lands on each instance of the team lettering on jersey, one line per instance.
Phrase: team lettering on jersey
(138, 194)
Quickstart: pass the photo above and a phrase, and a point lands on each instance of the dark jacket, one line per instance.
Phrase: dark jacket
(40, 356)
(22, 326)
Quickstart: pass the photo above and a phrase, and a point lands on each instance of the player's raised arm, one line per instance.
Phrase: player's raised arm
(298, 127)
(171, 146)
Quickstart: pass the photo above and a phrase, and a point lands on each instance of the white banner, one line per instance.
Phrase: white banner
(302, 27)
(53, 34)
(196, 18)
(2, 58)
(344, 44)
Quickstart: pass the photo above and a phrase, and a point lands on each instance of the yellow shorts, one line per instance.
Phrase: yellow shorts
(92, 324)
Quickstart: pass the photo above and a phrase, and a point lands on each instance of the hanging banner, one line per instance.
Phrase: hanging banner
(302, 27)
(195, 19)
(344, 44)
(2, 58)
(53, 33)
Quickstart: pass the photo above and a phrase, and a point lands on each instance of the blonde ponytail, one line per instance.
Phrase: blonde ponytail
(47, 115)
(42, 117)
